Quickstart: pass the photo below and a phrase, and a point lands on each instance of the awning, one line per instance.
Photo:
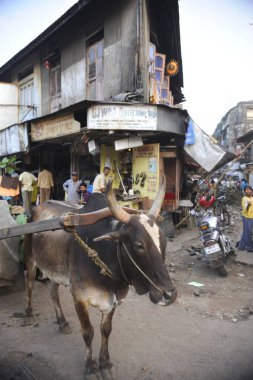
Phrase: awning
(204, 149)
(13, 139)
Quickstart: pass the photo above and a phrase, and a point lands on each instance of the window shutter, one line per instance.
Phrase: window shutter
(95, 71)
(159, 70)
(26, 98)
(152, 51)
(55, 81)
(165, 93)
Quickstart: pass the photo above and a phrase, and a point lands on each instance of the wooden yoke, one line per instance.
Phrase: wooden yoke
(65, 221)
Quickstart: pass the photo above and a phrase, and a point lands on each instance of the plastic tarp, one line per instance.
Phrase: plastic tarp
(9, 248)
(204, 149)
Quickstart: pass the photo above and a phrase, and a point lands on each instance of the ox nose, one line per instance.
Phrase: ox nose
(170, 297)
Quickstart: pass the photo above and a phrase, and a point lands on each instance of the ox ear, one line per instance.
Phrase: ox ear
(111, 236)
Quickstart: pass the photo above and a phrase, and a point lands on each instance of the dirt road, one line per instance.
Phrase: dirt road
(206, 334)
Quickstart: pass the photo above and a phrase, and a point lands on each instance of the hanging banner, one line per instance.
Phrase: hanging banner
(202, 147)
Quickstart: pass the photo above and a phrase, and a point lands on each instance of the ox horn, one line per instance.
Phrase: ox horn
(116, 210)
(157, 204)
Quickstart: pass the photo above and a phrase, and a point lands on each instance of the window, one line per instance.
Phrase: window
(159, 84)
(165, 93)
(26, 94)
(249, 113)
(159, 70)
(151, 67)
(95, 75)
(55, 81)
(26, 101)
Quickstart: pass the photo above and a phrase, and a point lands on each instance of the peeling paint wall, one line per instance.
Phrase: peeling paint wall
(8, 105)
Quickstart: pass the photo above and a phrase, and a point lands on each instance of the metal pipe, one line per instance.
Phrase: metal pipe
(120, 178)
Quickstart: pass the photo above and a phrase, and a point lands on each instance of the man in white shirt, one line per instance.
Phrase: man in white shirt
(100, 181)
(27, 180)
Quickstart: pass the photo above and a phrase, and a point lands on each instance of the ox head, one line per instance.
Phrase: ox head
(142, 250)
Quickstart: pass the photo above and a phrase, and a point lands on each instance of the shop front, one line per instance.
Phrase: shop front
(136, 174)
(51, 141)
(139, 143)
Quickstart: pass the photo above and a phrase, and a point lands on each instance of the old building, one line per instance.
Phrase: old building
(234, 132)
(103, 72)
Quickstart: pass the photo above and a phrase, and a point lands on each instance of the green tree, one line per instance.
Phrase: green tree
(9, 164)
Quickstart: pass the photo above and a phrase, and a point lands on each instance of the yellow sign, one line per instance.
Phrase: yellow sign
(51, 128)
(146, 170)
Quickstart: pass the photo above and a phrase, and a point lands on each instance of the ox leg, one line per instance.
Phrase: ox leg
(106, 367)
(30, 273)
(91, 369)
(60, 318)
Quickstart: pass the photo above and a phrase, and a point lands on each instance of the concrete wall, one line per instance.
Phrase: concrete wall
(119, 21)
(8, 105)
(120, 48)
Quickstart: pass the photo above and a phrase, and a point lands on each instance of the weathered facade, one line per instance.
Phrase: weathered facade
(99, 53)
(235, 132)
(237, 122)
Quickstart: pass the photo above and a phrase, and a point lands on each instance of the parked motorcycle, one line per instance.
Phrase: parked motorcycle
(216, 246)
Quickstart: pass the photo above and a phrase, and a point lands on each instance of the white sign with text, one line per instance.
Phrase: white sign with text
(133, 117)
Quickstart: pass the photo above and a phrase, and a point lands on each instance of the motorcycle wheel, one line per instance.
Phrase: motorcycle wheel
(226, 219)
(222, 271)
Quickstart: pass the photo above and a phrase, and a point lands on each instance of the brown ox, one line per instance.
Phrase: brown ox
(137, 258)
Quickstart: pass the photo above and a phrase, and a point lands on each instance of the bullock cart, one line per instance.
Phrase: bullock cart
(127, 247)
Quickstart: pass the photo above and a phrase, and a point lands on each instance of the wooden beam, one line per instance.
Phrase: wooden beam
(30, 228)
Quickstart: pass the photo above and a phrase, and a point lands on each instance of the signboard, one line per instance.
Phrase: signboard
(51, 128)
(133, 117)
(13, 139)
(146, 169)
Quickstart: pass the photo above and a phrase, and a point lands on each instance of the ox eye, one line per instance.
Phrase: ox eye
(138, 245)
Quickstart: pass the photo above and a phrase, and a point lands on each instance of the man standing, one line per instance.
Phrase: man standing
(71, 187)
(100, 181)
(27, 179)
(246, 242)
(45, 184)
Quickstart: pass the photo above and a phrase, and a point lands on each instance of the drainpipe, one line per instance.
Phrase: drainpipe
(138, 44)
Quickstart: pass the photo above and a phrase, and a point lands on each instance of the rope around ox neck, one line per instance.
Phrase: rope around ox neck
(104, 269)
